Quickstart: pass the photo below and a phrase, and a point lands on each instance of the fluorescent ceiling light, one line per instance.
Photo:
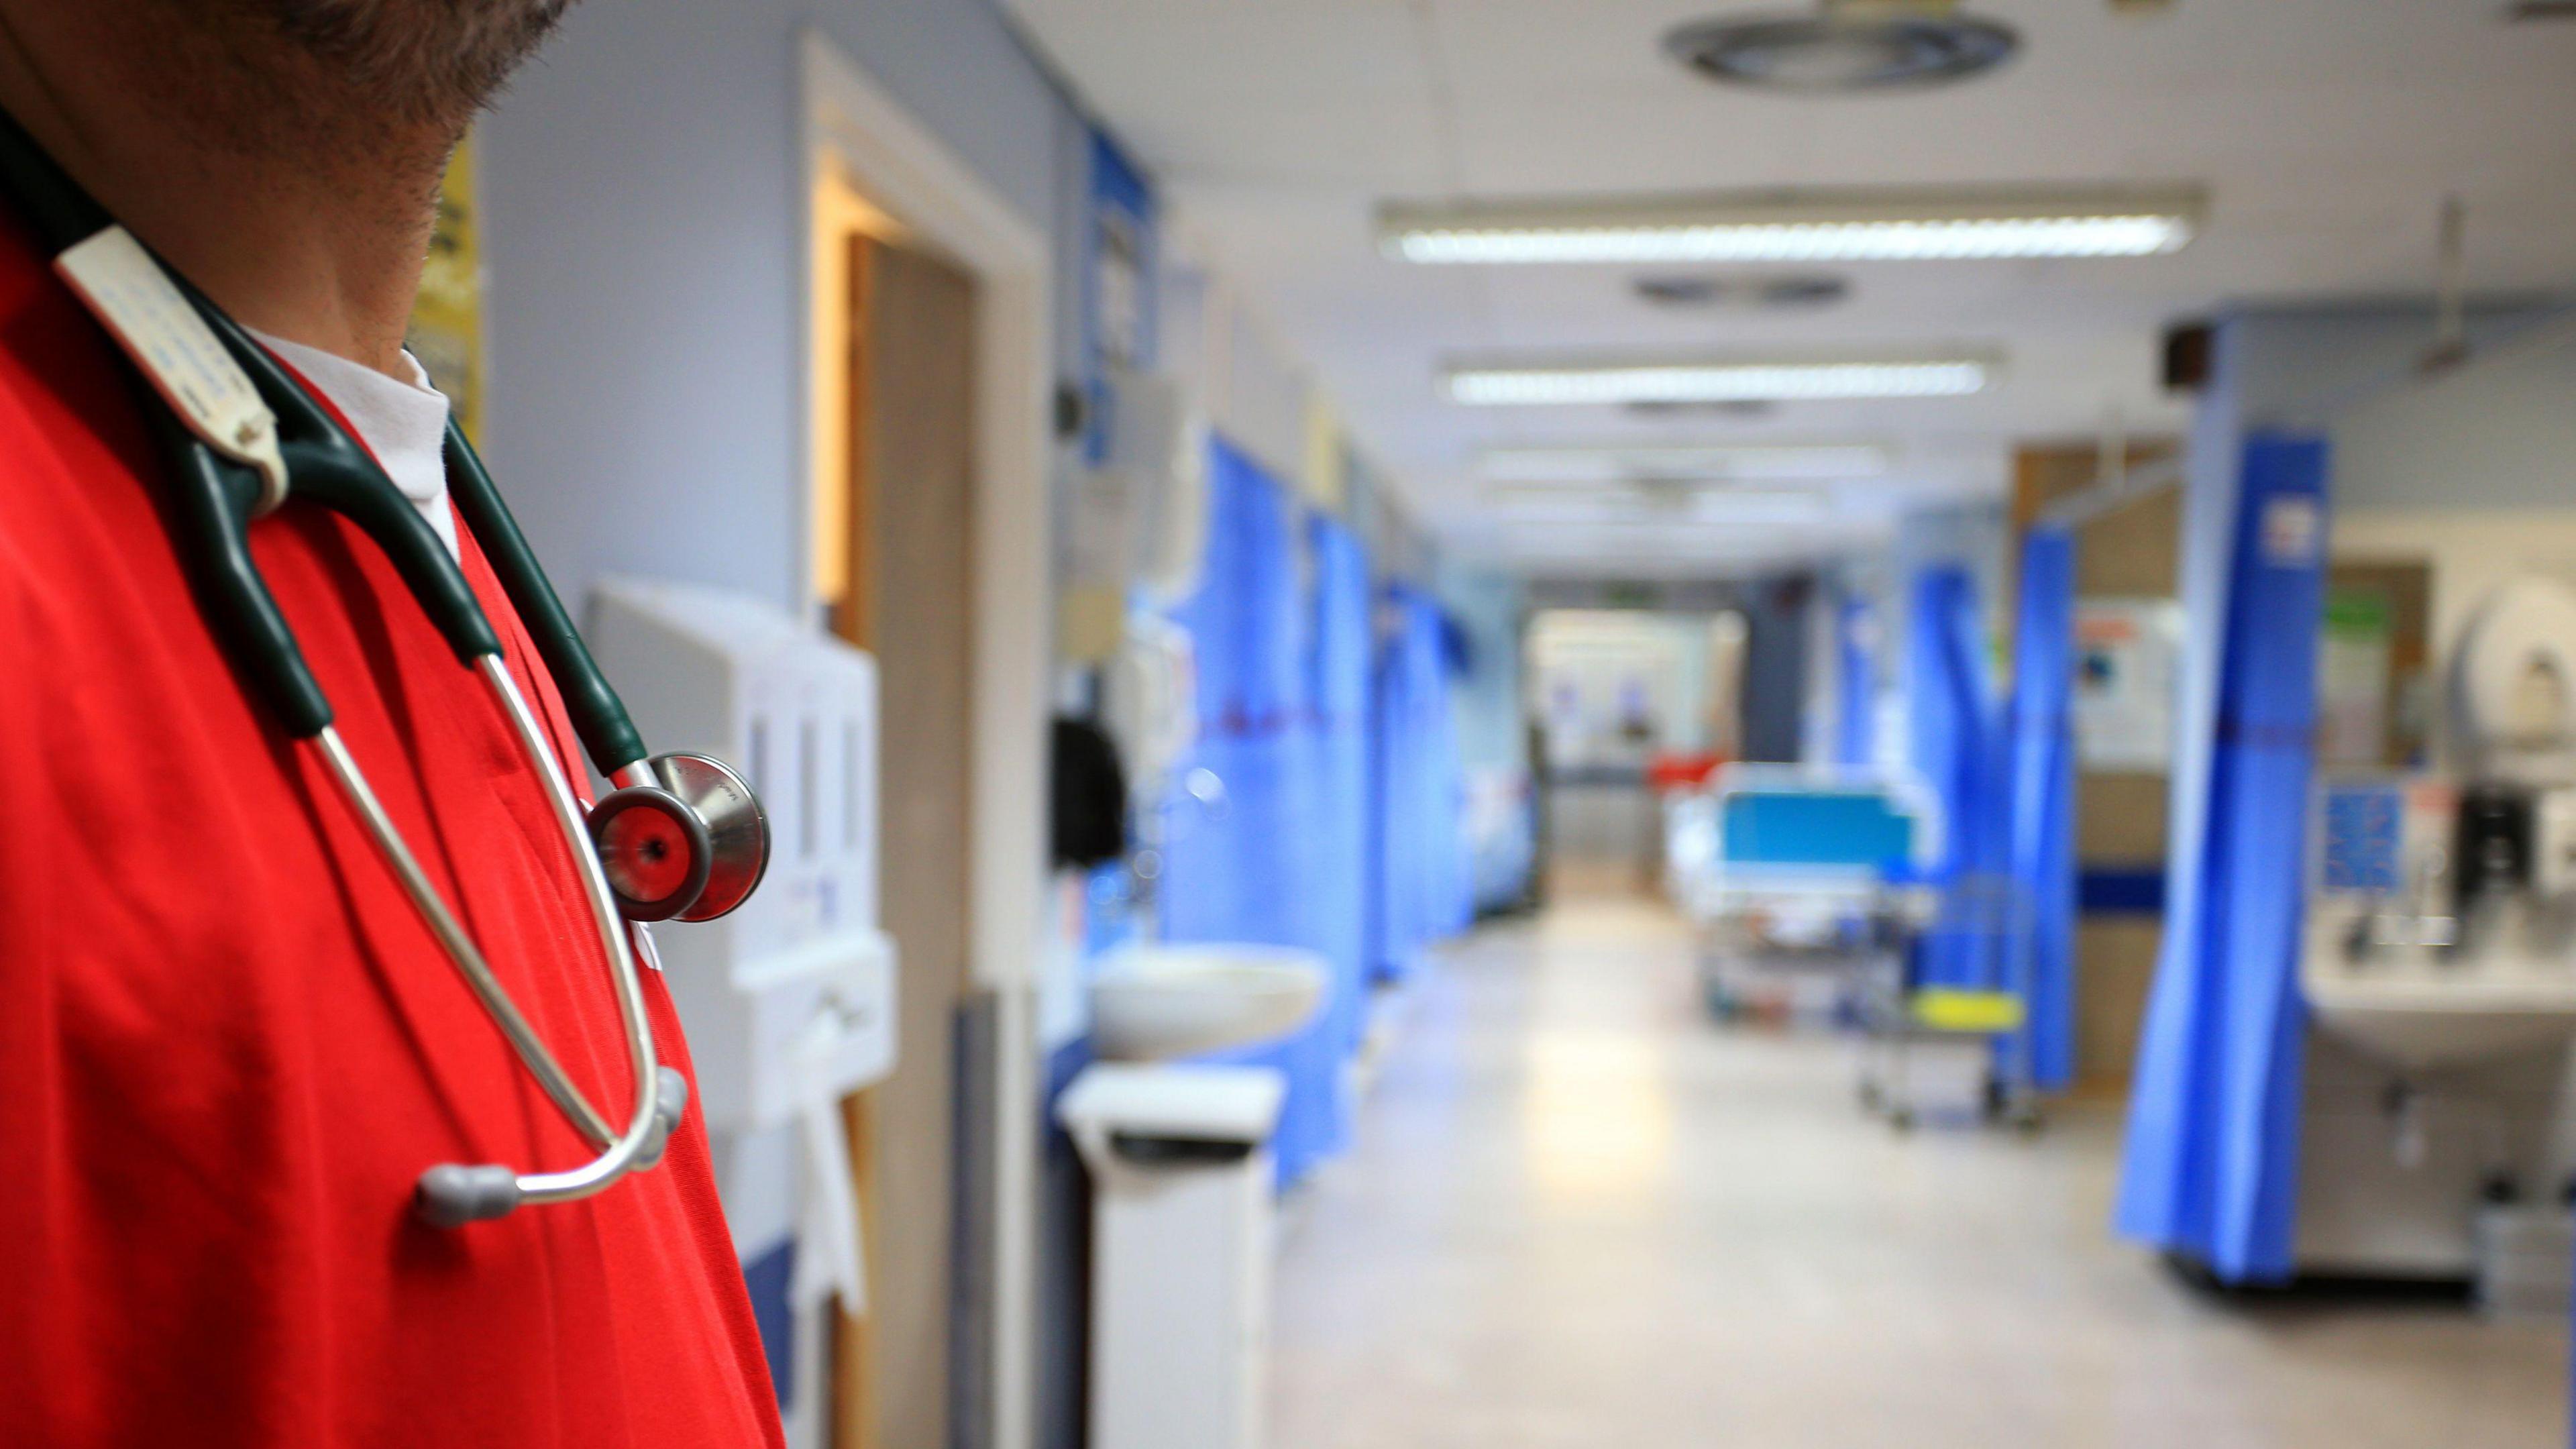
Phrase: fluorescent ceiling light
(1855, 227)
(1712, 463)
(1771, 380)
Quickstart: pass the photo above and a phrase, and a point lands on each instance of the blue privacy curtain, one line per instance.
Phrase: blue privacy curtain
(2210, 1163)
(1856, 683)
(1340, 657)
(1249, 870)
(1958, 749)
(2043, 795)
(1419, 845)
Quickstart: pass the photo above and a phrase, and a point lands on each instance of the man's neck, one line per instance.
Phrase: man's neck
(269, 225)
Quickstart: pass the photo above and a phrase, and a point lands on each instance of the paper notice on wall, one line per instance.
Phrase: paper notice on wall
(446, 331)
(2355, 677)
(1097, 560)
(2125, 651)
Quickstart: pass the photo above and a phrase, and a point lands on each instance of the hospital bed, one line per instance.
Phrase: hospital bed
(1812, 892)
(1799, 881)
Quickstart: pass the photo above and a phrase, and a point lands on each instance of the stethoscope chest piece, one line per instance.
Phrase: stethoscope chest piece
(690, 846)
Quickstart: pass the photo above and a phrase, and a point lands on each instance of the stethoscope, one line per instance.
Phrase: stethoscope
(680, 837)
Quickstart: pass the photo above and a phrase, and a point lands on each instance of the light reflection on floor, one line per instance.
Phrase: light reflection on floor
(1580, 1215)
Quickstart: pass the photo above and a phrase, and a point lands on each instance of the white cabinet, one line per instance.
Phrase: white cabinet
(1181, 1249)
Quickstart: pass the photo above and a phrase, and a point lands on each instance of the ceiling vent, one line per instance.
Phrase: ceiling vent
(1845, 46)
(1732, 408)
(1764, 294)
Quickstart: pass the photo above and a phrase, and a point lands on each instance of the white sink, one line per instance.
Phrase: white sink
(1154, 1003)
(2416, 1012)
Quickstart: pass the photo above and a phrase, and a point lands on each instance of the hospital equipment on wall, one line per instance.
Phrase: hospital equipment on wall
(789, 1002)
(1135, 526)
(681, 835)
(1149, 701)
(2439, 964)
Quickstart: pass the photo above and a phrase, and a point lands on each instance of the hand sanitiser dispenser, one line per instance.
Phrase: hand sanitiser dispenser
(790, 1002)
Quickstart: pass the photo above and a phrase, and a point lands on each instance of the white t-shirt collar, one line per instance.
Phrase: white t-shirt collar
(403, 423)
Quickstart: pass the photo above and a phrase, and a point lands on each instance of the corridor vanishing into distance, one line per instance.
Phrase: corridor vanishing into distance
(1580, 1214)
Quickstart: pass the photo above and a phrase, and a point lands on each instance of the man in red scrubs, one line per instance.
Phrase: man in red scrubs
(227, 1045)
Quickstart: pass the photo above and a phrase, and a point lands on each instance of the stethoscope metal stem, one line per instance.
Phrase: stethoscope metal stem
(656, 1104)
(639, 1141)
(452, 938)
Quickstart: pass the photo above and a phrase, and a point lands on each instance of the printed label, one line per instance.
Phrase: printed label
(2293, 531)
(138, 304)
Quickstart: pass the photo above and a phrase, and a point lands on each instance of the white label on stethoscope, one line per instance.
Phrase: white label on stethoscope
(126, 289)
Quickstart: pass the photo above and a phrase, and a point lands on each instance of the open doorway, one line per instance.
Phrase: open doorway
(894, 575)
(1622, 700)
(926, 543)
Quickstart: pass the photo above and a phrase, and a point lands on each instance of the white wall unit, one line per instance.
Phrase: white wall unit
(790, 1001)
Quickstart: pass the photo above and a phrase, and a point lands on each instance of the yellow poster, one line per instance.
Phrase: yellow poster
(447, 323)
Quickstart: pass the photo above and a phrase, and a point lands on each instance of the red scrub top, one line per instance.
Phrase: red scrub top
(227, 1044)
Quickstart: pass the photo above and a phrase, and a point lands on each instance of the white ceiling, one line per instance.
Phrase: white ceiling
(2327, 131)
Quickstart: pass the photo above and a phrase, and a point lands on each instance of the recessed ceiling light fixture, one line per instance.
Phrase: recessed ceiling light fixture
(1711, 463)
(1716, 380)
(1759, 293)
(1845, 46)
(1810, 227)
(1614, 510)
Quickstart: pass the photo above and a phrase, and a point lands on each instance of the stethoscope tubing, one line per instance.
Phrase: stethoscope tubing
(329, 469)
(616, 943)
(214, 502)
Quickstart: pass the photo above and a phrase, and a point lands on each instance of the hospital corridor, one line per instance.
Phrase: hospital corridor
(1576, 1217)
(1288, 724)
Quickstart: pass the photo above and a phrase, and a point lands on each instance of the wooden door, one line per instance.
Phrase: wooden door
(911, 321)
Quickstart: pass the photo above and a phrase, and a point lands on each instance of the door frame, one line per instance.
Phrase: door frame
(850, 124)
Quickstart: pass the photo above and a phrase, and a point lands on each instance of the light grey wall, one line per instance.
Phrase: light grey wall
(2496, 435)
(642, 209)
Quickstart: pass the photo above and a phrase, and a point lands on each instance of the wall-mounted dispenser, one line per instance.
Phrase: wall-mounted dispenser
(789, 1002)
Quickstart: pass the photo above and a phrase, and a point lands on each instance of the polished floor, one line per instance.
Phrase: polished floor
(1579, 1215)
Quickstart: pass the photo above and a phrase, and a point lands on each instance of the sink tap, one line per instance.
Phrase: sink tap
(2417, 925)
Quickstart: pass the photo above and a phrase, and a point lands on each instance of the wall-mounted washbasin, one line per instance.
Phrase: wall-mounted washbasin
(1155, 1003)
(2414, 1010)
